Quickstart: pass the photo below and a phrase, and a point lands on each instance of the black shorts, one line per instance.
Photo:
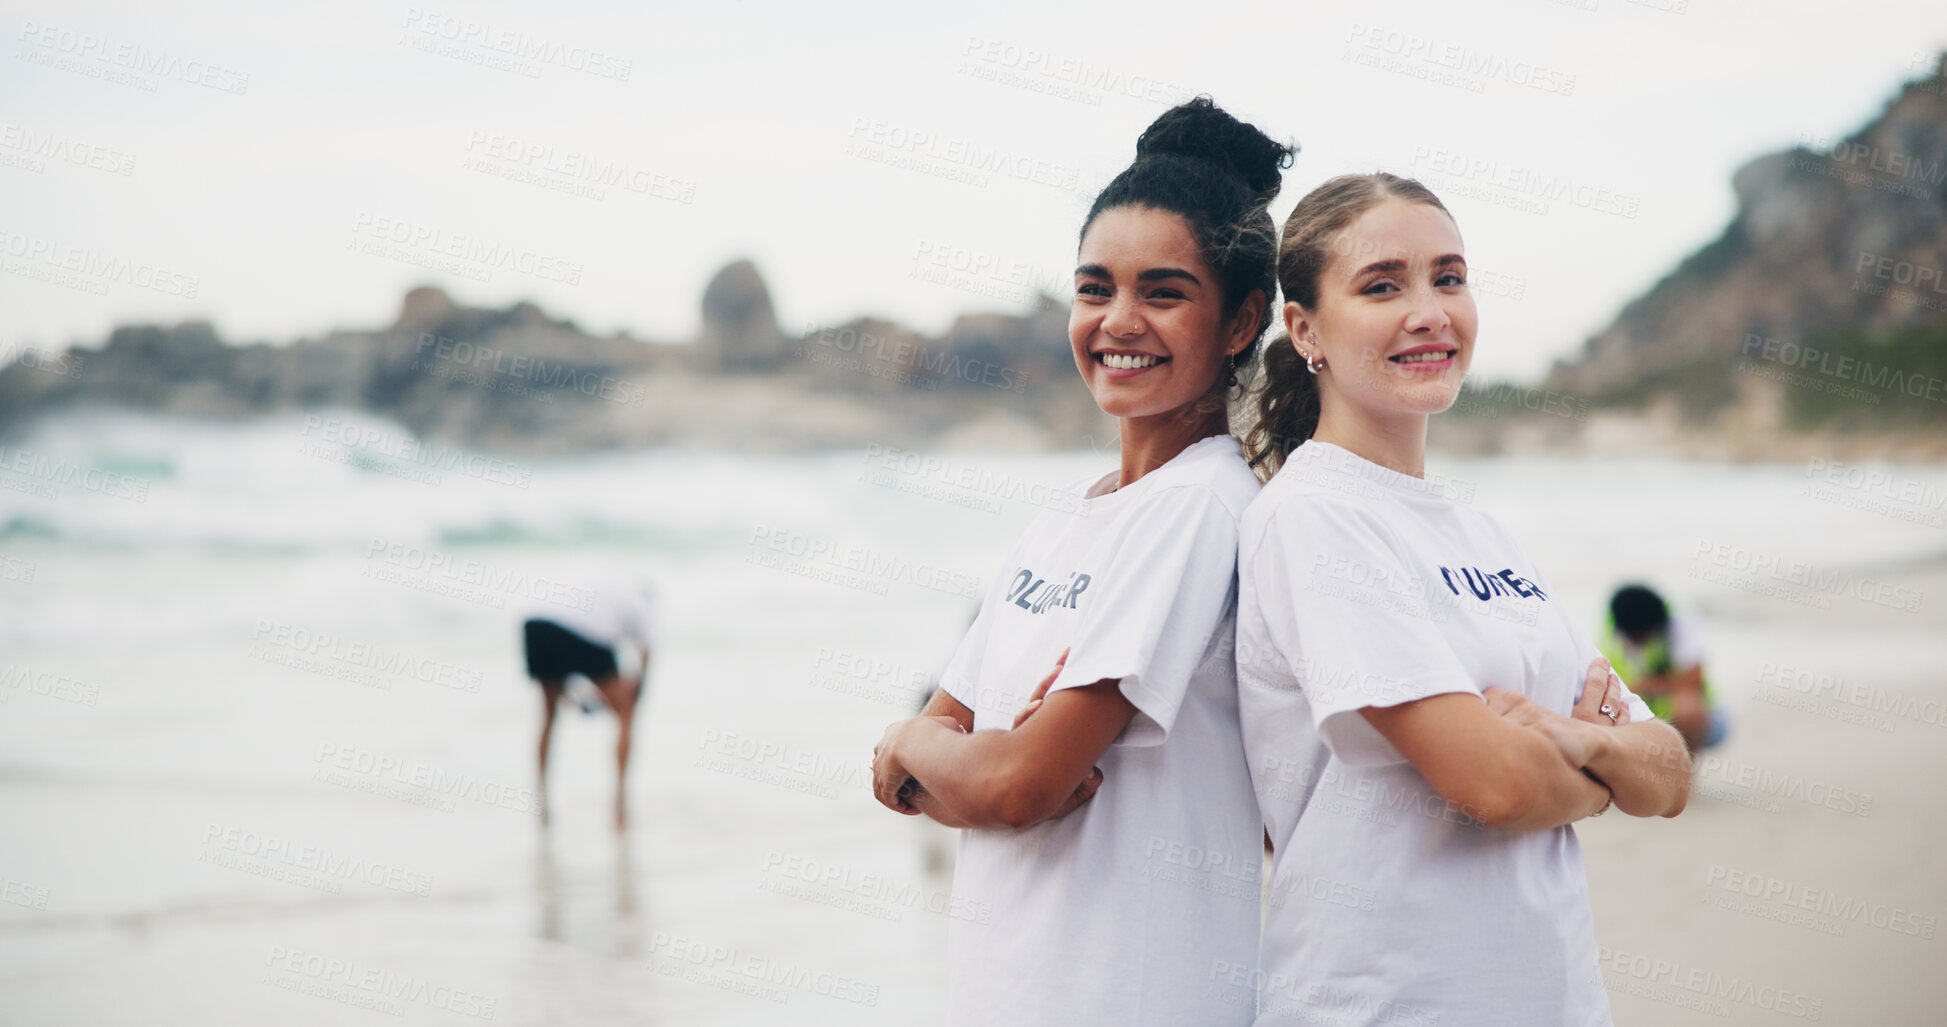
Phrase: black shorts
(554, 652)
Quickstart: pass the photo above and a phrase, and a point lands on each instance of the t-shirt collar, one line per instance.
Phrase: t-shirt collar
(1331, 458)
(1100, 494)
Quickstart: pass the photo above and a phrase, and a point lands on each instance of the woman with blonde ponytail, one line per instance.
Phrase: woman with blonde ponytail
(1420, 729)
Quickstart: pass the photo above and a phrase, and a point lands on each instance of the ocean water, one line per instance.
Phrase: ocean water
(266, 746)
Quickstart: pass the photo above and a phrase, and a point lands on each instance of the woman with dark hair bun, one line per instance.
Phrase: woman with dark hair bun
(1420, 726)
(1109, 866)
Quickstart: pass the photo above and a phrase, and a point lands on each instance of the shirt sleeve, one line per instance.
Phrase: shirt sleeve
(1150, 616)
(961, 678)
(1353, 647)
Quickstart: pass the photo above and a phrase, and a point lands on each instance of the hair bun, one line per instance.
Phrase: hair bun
(1201, 130)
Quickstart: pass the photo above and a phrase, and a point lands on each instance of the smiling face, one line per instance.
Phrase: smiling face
(1394, 320)
(1148, 328)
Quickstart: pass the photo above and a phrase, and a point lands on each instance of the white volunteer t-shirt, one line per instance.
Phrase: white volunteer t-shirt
(619, 613)
(1360, 586)
(1117, 913)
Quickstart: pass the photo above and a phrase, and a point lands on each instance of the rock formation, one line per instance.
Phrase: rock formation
(517, 380)
(1822, 302)
(740, 330)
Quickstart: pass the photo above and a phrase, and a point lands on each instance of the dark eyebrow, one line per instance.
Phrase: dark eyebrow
(1383, 266)
(1154, 274)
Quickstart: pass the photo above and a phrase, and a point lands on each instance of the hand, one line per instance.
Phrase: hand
(1083, 792)
(922, 802)
(1570, 737)
(1601, 686)
(889, 777)
(1041, 692)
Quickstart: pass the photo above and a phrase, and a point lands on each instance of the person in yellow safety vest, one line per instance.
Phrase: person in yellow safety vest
(1661, 658)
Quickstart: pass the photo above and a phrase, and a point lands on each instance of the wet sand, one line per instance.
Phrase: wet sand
(199, 826)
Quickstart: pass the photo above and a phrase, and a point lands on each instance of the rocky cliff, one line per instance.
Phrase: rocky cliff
(1815, 323)
(517, 380)
(1818, 317)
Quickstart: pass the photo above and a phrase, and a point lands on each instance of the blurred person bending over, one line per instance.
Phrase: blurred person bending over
(563, 643)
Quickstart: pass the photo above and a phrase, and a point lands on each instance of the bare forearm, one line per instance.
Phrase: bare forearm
(965, 774)
(1041, 769)
(1646, 765)
(930, 806)
(915, 794)
(1487, 765)
(1548, 793)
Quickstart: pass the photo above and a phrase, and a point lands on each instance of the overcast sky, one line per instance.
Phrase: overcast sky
(284, 172)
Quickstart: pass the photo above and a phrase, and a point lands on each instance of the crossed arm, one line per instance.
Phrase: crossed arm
(935, 764)
(1505, 761)
(1512, 764)
(1646, 765)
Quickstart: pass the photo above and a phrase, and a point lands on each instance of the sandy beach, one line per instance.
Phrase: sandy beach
(1802, 882)
(256, 769)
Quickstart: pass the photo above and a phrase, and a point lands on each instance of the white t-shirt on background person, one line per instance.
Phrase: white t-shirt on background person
(1684, 639)
(1361, 586)
(619, 613)
(1117, 913)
